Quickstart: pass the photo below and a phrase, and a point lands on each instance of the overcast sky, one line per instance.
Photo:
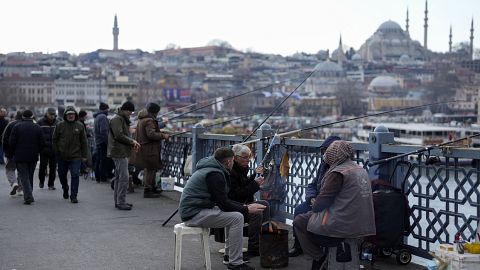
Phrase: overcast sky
(267, 26)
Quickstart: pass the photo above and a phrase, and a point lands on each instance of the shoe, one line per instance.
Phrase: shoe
(19, 192)
(129, 204)
(41, 185)
(295, 252)
(51, 188)
(147, 193)
(28, 201)
(14, 189)
(65, 194)
(73, 199)
(244, 255)
(242, 266)
(124, 207)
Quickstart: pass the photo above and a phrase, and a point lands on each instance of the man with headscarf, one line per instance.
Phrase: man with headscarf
(71, 148)
(346, 201)
(47, 156)
(149, 135)
(311, 193)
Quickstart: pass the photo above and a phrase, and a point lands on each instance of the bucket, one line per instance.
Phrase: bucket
(167, 183)
(274, 249)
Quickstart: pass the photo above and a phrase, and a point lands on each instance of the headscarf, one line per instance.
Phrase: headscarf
(337, 153)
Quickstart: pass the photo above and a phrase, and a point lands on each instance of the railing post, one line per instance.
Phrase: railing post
(264, 131)
(379, 136)
(197, 144)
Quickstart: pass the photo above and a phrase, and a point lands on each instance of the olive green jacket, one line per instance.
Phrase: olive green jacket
(120, 142)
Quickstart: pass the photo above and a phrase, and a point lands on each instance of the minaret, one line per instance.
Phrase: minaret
(450, 40)
(116, 31)
(425, 26)
(471, 41)
(406, 26)
(340, 54)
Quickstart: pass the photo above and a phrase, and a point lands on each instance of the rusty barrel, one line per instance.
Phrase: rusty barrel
(274, 249)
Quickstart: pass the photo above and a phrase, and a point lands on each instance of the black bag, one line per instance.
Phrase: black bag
(344, 253)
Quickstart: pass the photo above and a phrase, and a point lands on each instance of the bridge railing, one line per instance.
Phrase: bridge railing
(444, 197)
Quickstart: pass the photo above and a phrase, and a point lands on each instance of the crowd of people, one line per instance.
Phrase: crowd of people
(219, 194)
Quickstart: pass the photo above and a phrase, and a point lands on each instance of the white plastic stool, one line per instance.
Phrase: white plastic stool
(180, 230)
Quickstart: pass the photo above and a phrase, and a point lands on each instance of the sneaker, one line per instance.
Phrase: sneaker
(65, 194)
(28, 201)
(14, 189)
(129, 204)
(20, 193)
(51, 188)
(73, 200)
(242, 266)
(245, 258)
(124, 207)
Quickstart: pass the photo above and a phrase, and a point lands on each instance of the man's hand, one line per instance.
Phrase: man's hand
(260, 180)
(312, 201)
(260, 170)
(136, 146)
(255, 208)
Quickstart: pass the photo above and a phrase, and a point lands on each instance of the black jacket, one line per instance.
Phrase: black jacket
(3, 125)
(6, 139)
(47, 131)
(216, 187)
(242, 187)
(26, 141)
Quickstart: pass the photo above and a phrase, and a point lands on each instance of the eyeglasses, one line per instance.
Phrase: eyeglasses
(244, 158)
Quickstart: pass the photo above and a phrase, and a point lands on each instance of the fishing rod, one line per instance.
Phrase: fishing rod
(279, 105)
(219, 123)
(428, 148)
(347, 120)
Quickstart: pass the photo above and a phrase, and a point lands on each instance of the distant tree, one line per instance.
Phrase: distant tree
(350, 99)
(219, 43)
(172, 46)
(442, 88)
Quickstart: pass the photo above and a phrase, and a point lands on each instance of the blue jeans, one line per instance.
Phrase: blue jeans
(74, 166)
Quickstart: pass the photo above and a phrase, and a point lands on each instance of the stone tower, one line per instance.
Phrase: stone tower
(116, 31)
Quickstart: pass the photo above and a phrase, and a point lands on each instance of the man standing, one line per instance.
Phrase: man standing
(100, 126)
(26, 142)
(204, 203)
(242, 189)
(70, 147)
(120, 146)
(47, 156)
(3, 125)
(10, 167)
(149, 136)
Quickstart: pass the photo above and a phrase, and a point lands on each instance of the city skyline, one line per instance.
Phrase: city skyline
(280, 27)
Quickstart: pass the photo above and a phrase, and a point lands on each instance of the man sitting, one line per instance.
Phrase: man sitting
(204, 203)
(242, 190)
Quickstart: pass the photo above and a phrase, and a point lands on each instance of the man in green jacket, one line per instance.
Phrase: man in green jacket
(120, 145)
(71, 148)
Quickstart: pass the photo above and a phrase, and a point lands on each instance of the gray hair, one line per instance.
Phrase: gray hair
(240, 149)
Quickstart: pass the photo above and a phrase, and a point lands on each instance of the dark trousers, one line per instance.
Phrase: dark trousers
(25, 175)
(47, 160)
(302, 208)
(103, 164)
(312, 244)
(255, 226)
(74, 167)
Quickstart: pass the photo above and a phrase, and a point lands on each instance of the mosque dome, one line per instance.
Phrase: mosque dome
(356, 57)
(328, 66)
(404, 59)
(383, 82)
(389, 26)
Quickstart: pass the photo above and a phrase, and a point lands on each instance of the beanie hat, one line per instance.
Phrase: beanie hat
(153, 107)
(27, 114)
(128, 106)
(82, 113)
(51, 111)
(103, 106)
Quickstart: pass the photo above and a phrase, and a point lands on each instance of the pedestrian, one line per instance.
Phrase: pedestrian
(103, 165)
(120, 145)
(47, 156)
(10, 166)
(3, 125)
(26, 142)
(71, 148)
(149, 136)
(204, 203)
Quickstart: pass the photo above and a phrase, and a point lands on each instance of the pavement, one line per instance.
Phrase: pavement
(53, 233)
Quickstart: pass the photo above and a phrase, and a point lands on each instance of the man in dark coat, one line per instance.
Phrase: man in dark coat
(149, 136)
(103, 165)
(47, 156)
(3, 125)
(311, 193)
(242, 190)
(70, 146)
(10, 166)
(26, 142)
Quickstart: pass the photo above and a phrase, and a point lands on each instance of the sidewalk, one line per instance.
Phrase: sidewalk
(53, 233)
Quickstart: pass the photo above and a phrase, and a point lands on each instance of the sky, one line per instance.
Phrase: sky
(268, 26)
